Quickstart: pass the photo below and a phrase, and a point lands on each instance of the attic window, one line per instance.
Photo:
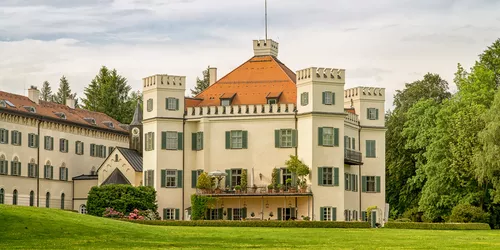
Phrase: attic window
(60, 115)
(225, 102)
(90, 120)
(109, 124)
(272, 101)
(30, 109)
(3, 104)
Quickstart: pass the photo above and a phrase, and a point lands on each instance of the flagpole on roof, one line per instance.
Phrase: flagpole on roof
(266, 17)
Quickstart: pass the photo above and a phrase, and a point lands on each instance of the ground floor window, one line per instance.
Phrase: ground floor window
(169, 214)
(32, 198)
(236, 214)
(286, 213)
(14, 197)
(328, 213)
(47, 200)
(83, 209)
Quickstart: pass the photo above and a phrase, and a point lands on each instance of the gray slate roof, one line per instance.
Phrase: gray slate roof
(137, 120)
(133, 157)
(85, 177)
(116, 177)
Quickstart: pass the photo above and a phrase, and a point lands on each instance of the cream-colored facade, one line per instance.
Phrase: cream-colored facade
(52, 151)
(346, 178)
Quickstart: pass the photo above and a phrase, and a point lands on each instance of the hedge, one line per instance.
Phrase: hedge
(252, 223)
(438, 226)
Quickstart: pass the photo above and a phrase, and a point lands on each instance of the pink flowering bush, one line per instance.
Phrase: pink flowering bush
(111, 213)
(135, 215)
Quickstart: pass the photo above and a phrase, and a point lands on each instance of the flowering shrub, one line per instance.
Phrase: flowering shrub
(111, 213)
(150, 215)
(135, 215)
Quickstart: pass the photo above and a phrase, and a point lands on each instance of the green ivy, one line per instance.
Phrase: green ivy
(199, 206)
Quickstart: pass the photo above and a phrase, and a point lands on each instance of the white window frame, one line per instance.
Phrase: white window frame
(328, 98)
(236, 139)
(199, 140)
(171, 104)
(79, 148)
(171, 178)
(236, 176)
(371, 182)
(63, 174)
(328, 176)
(149, 105)
(149, 141)
(15, 140)
(4, 133)
(272, 101)
(236, 214)
(169, 214)
(286, 140)
(34, 140)
(328, 134)
(83, 209)
(64, 148)
(172, 140)
(304, 98)
(328, 213)
(214, 214)
(372, 114)
(225, 102)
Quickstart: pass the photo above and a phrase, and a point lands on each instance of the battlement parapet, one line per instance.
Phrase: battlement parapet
(239, 110)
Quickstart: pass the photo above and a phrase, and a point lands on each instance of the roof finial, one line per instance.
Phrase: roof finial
(266, 17)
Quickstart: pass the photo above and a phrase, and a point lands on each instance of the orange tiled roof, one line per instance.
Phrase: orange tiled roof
(253, 82)
(49, 110)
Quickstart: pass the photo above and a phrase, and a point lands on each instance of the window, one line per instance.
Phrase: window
(272, 101)
(15, 167)
(3, 104)
(32, 198)
(149, 178)
(285, 138)
(48, 143)
(328, 176)
(92, 149)
(171, 178)
(371, 149)
(328, 98)
(236, 139)
(62, 200)
(79, 146)
(215, 214)
(199, 140)
(32, 140)
(48, 171)
(328, 213)
(328, 136)
(347, 181)
(47, 200)
(169, 214)
(235, 177)
(32, 169)
(353, 143)
(63, 173)
(16, 138)
(63, 145)
(304, 98)
(286, 174)
(194, 177)
(149, 105)
(83, 209)
(2, 196)
(110, 149)
(236, 214)
(225, 102)
(172, 103)
(371, 184)
(14, 197)
(149, 141)
(4, 136)
(4, 166)
(372, 114)
(172, 140)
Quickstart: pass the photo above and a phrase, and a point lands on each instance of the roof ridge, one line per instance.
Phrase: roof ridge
(276, 60)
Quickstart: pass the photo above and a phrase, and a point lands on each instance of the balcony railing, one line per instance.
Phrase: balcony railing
(259, 191)
(352, 157)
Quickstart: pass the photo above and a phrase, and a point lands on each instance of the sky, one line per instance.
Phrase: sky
(383, 43)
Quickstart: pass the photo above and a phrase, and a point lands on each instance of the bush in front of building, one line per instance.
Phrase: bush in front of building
(121, 198)
(437, 226)
(200, 205)
(258, 223)
(465, 213)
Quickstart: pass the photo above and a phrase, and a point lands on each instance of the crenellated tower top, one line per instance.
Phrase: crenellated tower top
(265, 48)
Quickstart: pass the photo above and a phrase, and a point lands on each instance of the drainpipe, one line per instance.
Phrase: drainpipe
(183, 162)
(359, 167)
(38, 165)
(296, 121)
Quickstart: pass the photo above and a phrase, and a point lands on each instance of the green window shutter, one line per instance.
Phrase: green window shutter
(194, 178)
(363, 215)
(163, 140)
(363, 183)
(228, 178)
(321, 213)
(294, 138)
(45, 171)
(353, 144)
(324, 97)
(244, 213)
(346, 141)
(193, 141)
(377, 184)
(368, 150)
(163, 177)
(357, 183)
(103, 148)
(30, 170)
(228, 139)
(180, 141)
(333, 98)
(83, 148)
(66, 175)
(307, 98)
(346, 178)
(176, 104)
(353, 182)
(336, 176)
(320, 176)
(230, 214)
(277, 138)
(376, 114)
(368, 113)
(334, 214)
(320, 136)
(244, 139)
(92, 149)
(76, 147)
(177, 214)
(220, 214)
(201, 135)
(280, 216)
(60, 174)
(294, 179)
(30, 140)
(51, 172)
(164, 214)
(166, 103)
(179, 178)
(336, 137)
(36, 169)
(374, 149)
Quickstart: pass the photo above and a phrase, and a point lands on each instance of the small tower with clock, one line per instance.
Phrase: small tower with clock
(135, 139)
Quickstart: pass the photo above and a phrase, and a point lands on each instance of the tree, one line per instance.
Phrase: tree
(46, 92)
(108, 93)
(202, 84)
(64, 91)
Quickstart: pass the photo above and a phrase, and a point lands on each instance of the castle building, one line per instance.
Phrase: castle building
(248, 123)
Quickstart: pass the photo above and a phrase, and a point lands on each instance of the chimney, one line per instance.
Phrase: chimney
(34, 94)
(71, 103)
(212, 74)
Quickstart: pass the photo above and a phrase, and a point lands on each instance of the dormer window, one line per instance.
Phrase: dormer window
(109, 124)
(90, 120)
(225, 102)
(3, 104)
(272, 101)
(226, 99)
(30, 109)
(60, 115)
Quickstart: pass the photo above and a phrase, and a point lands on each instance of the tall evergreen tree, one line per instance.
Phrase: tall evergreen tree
(202, 84)
(108, 92)
(63, 92)
(46, 92)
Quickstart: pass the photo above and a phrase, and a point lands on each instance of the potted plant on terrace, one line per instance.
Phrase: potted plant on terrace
(290, 187)
(237, 188)
(281, 188)
(303, 186)
(270, 188)
(298, 168)
(244, 181)
(204, 183)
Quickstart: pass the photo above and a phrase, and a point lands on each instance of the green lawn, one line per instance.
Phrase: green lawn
(34, 228)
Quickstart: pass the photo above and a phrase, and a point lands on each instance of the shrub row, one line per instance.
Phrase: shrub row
(222, 223)
(438, 226)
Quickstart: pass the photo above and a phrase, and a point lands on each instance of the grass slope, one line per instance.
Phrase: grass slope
(35, 228)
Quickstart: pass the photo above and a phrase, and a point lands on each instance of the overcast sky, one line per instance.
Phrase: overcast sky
(383, 43)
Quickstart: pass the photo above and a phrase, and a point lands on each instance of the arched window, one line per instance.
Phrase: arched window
(62, 201)
(2, 195)
(15, 167)
(47, 200)
(83, 209)
(32, 169)
(14, 197)
(48, 171)
(32, 198)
